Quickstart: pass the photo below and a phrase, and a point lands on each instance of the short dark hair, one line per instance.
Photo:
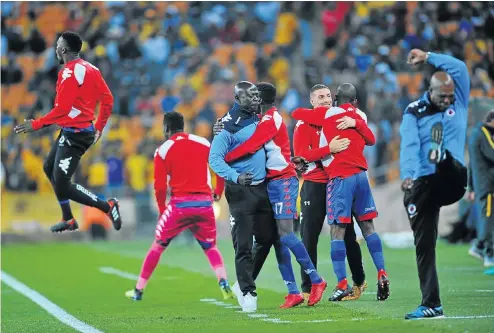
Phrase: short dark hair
(317, 87)
(267, 92)
(174, 121)
(73, 40)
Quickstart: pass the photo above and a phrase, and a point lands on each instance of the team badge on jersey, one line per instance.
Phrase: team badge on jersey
(450, 112)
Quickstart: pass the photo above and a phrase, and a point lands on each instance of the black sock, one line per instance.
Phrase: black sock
(66, 211)
(81, 195)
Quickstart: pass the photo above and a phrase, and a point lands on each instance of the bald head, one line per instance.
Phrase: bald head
(247, 96)
(346, 93)
(442, 90)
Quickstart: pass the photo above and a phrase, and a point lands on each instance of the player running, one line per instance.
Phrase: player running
(190, 206)
(79, 87)
(306, 139)
(348, 190)
(272, 135)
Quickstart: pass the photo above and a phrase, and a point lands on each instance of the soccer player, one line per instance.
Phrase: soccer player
(191, 203)
(272, 135)
(306, 139)
(433, 133)
(481, 180)
(348, 190)
(79, 87)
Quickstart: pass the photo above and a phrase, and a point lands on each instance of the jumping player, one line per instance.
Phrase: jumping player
(79, 87)
(190, 206)
(272, 135)
(348, 190)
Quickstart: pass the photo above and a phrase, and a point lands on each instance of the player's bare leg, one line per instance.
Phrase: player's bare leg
(338, 257)
(288, 238)
(374, 245)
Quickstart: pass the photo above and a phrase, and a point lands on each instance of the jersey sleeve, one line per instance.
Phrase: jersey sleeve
(314, 116)
(219, 148)
(365, 131)
(409, 147)
(302, 145)
(160, 180)
(106, 100)
(266, 130)
(66, 96)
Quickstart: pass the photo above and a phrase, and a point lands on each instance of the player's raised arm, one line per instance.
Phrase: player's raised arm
(314, 116)
(219, 148)
(66, 95)
(265, 131)
(409, 147)
(160, 177)
(456, 68)
(106, 100)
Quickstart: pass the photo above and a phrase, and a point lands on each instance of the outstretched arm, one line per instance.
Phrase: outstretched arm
(314, 116)
(265, 131)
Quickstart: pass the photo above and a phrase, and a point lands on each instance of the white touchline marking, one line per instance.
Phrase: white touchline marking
(127, 275)
(468, 317)
(208, 300)
(48, 305)
(257, 315)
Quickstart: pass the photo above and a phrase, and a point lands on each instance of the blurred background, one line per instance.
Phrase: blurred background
(186, 56)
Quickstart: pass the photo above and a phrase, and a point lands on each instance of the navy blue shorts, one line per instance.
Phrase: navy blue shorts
(347, 196)
(283, 195)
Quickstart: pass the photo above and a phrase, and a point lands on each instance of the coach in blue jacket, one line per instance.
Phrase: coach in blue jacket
(245, 191)
(432, 166)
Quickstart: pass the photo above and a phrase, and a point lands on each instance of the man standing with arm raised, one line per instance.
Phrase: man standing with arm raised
(432, 166)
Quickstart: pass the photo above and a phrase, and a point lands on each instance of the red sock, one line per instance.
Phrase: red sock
(382, 272)
(149, 264)
(343, 284)
(216, 261)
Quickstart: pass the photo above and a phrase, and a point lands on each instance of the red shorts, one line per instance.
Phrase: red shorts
(191, 212)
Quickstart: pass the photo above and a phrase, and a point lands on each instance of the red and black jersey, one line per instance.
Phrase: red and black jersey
(80, 86)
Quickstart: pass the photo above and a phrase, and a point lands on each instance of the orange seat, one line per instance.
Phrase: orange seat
(222, 54)
(403, 79)
(477, 93)
(247, 54)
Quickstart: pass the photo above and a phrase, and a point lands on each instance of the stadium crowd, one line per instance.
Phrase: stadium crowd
(186, 56)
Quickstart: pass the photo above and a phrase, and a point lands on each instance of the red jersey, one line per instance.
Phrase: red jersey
(350, 161)
(182, 164)
(306, 139)
(271, 132)
(80, 86)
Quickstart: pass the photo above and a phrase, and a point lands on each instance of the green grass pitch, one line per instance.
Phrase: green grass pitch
(69, 275)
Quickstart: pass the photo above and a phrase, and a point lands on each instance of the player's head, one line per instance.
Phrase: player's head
(247, 96)
(267, 93)
(346, 93)
(173, 123)
(69, 43)
(489, 118)
(320, 95)
(442, 90)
